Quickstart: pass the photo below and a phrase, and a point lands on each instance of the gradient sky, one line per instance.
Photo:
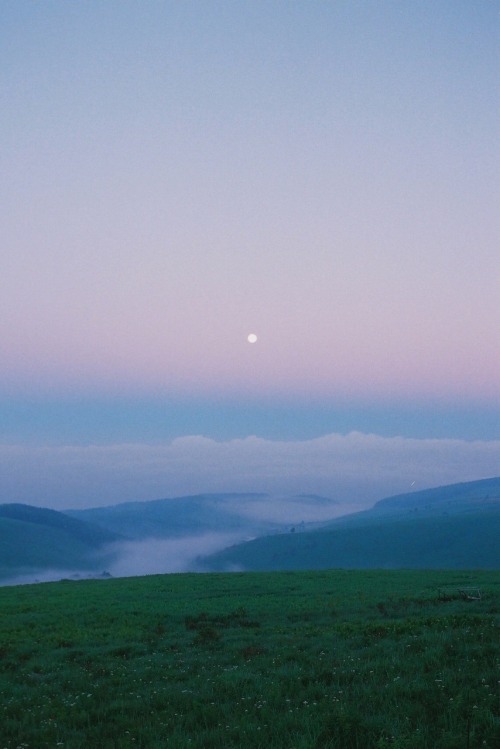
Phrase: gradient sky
(177, 175)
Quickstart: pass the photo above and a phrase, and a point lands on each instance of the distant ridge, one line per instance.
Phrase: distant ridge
(464, 496)
(89, 534)
(179, 516)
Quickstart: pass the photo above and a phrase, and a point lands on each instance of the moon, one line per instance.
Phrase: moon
(252, 338)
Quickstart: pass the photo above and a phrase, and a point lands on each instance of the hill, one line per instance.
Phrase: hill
(41, 543)
(468, 497)
(455, 526)
(38, 543)
(451, 526)
(178, 517)
(35, 539)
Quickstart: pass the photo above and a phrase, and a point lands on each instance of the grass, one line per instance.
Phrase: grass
(291, 660)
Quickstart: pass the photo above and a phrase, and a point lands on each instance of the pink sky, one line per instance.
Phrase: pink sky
(179, 175)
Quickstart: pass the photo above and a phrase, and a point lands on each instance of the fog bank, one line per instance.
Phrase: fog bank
(353, 469)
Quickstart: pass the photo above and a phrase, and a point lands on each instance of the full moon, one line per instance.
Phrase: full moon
(252, 338)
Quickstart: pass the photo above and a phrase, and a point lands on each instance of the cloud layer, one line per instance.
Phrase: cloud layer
(354, 469)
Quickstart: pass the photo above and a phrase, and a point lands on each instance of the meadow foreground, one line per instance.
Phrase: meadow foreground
(290, 660)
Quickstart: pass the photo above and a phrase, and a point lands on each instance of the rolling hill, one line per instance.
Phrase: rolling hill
(456, 526)
(37, 542)
(448, 527)
(35, 539)
(469, 497)
(186, 516)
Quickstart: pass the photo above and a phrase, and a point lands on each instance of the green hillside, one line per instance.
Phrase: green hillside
(33, 539)
(471, 496)
(87, 533)
(447, 527)
(455, 526)
(336, 659)
(456, 542)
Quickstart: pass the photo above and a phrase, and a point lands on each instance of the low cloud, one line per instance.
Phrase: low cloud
(157, 555)
(354, 469)
(151, 556)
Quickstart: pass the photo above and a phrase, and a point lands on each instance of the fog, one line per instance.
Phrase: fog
(150, 556)
(158, 555)
(153, 555)
(355, 469)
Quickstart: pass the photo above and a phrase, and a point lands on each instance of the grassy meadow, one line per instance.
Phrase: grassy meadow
(285, 660)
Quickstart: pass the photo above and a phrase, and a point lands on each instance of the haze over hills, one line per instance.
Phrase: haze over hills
(133, 538)
(455, 526)
(250, 514)
(451, 526)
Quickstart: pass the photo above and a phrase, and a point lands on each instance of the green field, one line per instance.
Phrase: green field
(288, 660)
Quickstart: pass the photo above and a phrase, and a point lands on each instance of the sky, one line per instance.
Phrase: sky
(179, 175)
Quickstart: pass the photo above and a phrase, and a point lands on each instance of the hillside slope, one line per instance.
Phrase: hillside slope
(449, 527)
(468, 497)
(33, 539)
